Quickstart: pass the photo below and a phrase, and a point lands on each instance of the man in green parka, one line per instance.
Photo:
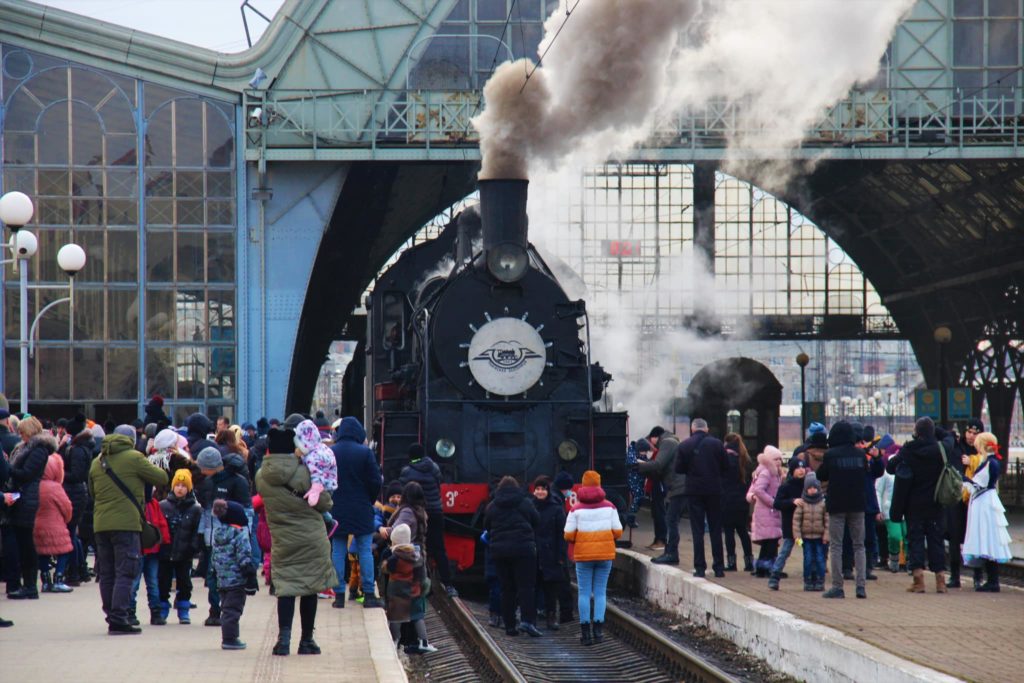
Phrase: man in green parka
(117, 523)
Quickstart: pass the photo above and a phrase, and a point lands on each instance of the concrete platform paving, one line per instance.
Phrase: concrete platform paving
(974, 636)
(62, 637)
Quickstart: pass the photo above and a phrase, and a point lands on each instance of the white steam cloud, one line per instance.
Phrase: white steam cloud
(617, 67)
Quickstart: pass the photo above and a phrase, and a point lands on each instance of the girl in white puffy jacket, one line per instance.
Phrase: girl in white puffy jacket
(896, 531)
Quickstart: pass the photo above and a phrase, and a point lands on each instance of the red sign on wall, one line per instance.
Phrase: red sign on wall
(621, 248)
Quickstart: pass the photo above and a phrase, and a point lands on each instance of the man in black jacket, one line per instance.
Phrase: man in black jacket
(702, 459)
(923, 514)
(843, 469)
(425, 471)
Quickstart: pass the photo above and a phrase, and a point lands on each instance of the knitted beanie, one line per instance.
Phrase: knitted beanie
(564, 481)
(401, 535)
(230, 512)
(209, 459)
(182, 476)
(591, 478)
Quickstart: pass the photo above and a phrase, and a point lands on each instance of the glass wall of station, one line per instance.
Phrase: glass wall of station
(142, 176)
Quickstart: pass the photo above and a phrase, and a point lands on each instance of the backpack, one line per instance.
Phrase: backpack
(949, 488)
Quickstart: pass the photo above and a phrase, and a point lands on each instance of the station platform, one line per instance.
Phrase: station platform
(62, 637)
(962, 634)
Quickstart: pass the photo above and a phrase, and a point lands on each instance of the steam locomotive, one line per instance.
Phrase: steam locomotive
(474, 350)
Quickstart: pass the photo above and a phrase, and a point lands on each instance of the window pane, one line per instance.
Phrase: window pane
(19, 148)
(121, 184)
(191, 316)
(221, 258)
(121, 149)
(92, 242)
(222, 372)
(1003, 44)
(158, 139)
(84, 183)
(53, 136)
(159, 183)
(220, 212)
(491, 10)
(122, 315)
(89, 366)
(53, 183)
(190, 212)
(1002, 8)
(191, 257)
(45, 267)
(49, 376)
(87, 137)
(160, 256)
(220, 184)
(89, 318)
(191, 371)
(122, 256)
(160, 314)
(968, 43)
(221, 310)
(968, 8)
(160, 372)
(122, 212)
(123, 373)
(87, 212)
(160, 212)
(190, 184)
(220, 143)
(188, 128)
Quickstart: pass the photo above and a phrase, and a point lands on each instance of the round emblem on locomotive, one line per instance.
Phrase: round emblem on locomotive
(506, 356)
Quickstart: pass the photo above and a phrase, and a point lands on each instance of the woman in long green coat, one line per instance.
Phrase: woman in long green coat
(300, 555)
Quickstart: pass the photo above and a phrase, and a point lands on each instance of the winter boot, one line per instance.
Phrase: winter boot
(165, 608)
(284, 642)
(773, 582)
(918, 585)
(978, 576)
(748, 563)
(214, 618)
(59, 586)
(339, 601)
(551, 620)
(992, 585)
(954, 578)
(894, 565)
(84, 575)
(47, 582)
(730, 563)
(156, 617)
(940, 582)
(530, 630)
(133, 618)
(598, 632)
(585, 637)
(183, 616)
(307, 646)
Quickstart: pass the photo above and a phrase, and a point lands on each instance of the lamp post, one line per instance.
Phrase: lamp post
(673, 382)
(942, 335)
(802, 359)
(15, 212)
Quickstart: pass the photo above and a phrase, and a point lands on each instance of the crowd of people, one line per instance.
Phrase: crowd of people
(297, 501)
(847, 493)
(303, 502)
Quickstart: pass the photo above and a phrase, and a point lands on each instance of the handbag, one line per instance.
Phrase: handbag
(150, 535)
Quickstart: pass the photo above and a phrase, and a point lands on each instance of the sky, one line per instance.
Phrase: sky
(220, 27)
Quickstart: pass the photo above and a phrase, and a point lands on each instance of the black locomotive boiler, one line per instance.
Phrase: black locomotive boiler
(474, 349)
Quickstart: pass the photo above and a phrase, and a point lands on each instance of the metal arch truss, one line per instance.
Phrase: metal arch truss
(996, 361)
(431, 124)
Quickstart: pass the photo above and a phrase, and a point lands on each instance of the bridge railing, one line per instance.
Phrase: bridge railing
(371, 119)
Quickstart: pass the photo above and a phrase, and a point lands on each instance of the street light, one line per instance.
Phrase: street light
(942, 335)
(802, 359)
(16, 211)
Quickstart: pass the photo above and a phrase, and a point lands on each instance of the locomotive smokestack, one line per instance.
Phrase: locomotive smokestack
(503, 212)
(468, 230)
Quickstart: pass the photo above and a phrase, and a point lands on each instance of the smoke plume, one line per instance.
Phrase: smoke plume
(615, 68)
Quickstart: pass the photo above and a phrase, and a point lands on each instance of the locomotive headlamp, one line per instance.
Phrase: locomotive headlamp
(507, 261)
(445, 448)
(568, 450)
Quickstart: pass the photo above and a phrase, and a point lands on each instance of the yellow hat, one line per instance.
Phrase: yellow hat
(591, 478)
(182, 476)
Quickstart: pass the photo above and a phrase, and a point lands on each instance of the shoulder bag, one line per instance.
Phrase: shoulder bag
(150, 534)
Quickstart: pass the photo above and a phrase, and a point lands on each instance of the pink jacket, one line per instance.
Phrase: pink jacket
(50, 533)
(767, 522)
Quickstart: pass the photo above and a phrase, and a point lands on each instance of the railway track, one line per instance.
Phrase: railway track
(631, 651)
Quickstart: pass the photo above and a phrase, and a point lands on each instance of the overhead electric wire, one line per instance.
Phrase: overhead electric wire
(540, 60)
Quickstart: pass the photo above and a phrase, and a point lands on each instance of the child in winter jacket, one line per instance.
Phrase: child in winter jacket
(895, 532)
(787, 499)
(233, 565)
(767, 526)
(50, 530)
(150, 569)
(182, 512)
(810, 529)
(322, 466)
(263, 536)
(407, 588)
